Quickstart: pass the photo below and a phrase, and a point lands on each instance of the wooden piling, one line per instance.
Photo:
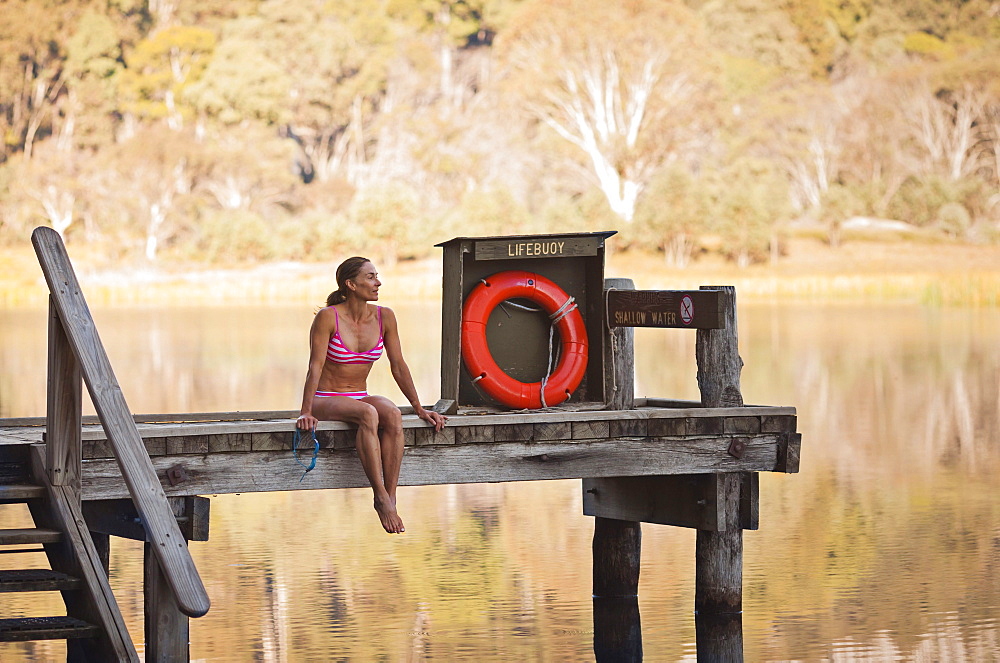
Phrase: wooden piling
(167, 629)
(617, 543)
(617, 546)
(719, 554)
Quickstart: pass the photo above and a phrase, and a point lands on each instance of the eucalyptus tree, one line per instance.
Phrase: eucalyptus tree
(151, 179)
(618, 82)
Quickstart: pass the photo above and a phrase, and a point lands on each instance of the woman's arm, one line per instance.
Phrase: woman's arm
(319, 337)
(401, 372)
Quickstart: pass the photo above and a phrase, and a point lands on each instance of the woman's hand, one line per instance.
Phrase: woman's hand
(306, 422)
(435, 419)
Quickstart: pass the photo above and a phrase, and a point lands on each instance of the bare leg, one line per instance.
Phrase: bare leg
(390, 441)
(369, 447)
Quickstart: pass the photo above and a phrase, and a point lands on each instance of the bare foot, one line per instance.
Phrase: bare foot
(391, 521)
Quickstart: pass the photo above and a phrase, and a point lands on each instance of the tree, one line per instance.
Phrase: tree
(93, 61)
(749, 198)
(242, 83)
(948, 125)
(160, 68)
(319, 68)
(453, 25)
(33, 38)
(675, 211)
(759, 30)
(233, 182)
(617, 82)
(152, 177)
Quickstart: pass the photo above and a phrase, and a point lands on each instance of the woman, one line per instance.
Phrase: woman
(347, 337)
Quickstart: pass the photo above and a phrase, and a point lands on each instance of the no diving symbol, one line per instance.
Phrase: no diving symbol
(687, 309)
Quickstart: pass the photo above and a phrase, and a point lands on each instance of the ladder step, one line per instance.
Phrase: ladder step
(36, 580)
(20, 492)
(20, 536)
(20, 629)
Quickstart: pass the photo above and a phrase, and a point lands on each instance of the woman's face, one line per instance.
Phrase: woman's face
(366, 283)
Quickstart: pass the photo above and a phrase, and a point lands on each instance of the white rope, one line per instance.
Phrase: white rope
(568, 307)
(614, 343)
(509, 302)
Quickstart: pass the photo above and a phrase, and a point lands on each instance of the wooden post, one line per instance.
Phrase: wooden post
(63, 417)
(617, 543)
(619, 358)
(102, 544)
(167, 629)
(719, 554)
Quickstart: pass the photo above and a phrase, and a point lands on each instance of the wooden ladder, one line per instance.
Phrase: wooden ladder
(93, 625)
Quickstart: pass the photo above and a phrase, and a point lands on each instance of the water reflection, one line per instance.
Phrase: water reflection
(886, 545)
(617, 630)
(719, 637)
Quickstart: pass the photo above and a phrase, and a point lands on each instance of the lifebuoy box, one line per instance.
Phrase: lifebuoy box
(496, 316)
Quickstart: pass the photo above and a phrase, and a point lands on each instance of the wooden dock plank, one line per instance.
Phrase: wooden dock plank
(486, 462)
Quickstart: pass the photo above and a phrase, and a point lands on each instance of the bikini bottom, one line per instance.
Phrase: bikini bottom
(356, 395)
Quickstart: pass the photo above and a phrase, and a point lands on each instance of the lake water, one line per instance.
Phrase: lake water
(886, 546)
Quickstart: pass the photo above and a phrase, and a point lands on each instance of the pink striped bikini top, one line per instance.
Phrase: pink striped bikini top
(339, 353)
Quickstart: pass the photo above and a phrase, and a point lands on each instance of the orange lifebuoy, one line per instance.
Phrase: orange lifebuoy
(566, 318)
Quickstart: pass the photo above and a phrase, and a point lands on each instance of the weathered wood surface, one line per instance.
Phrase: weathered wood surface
(678, 309)
(64, 396)
(616, 549)
(119, 518)
(619, 356)
(136, 469)
(772, 419)
(626, 423)
(451, 323)
(166, 628)
(719, 553)
(542, 246)
(691, 500)
(471, 462)
(255, 455)
(718, 357)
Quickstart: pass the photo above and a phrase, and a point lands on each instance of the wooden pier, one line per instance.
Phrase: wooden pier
(214, 454)
(682, 463)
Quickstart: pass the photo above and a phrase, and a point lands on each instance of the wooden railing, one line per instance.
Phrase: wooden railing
(75, 351)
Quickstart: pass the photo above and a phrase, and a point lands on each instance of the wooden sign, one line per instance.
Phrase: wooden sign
(679, 309)
(544, 246)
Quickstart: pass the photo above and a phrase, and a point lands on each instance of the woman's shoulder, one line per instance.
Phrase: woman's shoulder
(387, 315)
(327, 316)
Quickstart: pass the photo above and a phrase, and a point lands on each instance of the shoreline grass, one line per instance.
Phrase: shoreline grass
(871, 273)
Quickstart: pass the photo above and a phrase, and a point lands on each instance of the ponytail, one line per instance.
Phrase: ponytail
(336, 297)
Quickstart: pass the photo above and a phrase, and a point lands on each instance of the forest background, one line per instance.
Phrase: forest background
(234, 132)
